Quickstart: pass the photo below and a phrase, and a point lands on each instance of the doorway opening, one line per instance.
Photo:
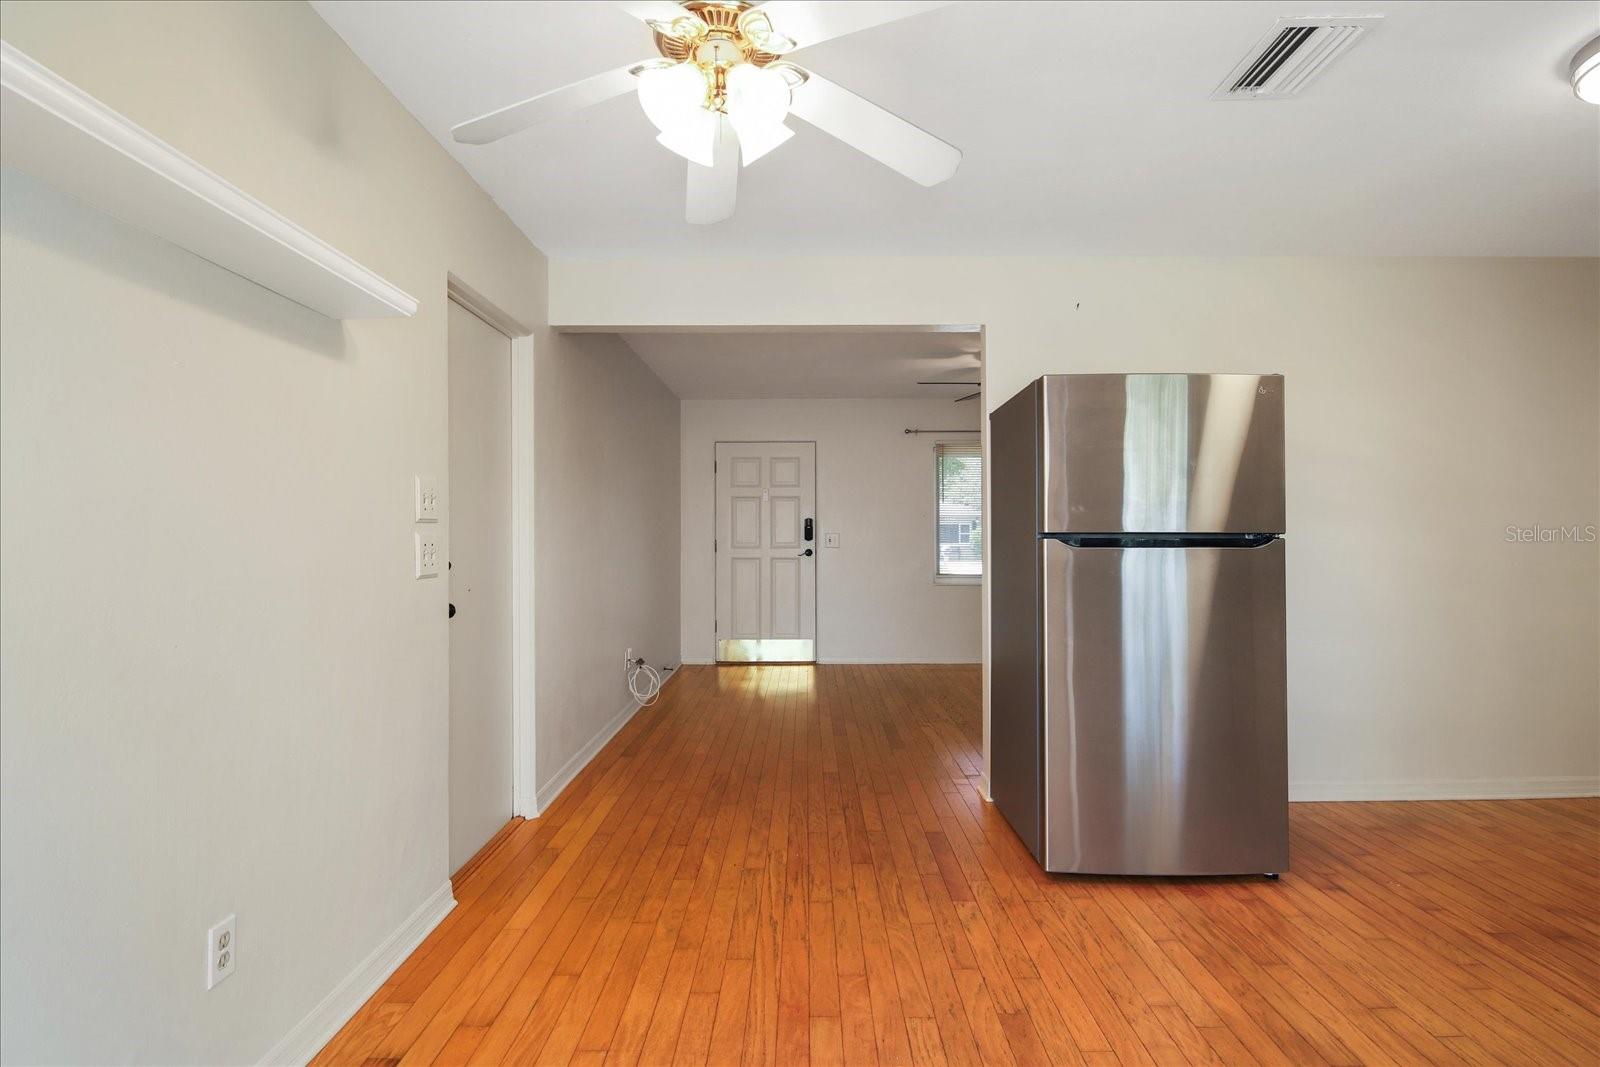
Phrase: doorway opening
(863, 430)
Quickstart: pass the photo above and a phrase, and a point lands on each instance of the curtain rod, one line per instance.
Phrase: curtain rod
(910, 429)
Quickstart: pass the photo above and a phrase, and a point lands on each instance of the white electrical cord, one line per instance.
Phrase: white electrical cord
(647, 692)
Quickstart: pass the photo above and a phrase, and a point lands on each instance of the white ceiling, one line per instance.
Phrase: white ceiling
(1449, 130)
(808, 363)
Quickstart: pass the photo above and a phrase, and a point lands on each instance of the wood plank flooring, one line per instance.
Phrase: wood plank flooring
(791, 865)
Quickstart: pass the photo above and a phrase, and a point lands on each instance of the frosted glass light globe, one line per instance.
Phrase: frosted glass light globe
(694, 139)
(1586, 72)
(674, 100)
(671, 95)
(758, 102)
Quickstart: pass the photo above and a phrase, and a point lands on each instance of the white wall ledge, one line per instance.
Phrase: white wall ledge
(55, 131)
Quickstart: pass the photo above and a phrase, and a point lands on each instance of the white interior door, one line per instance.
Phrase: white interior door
(766, 551)
(480, 583)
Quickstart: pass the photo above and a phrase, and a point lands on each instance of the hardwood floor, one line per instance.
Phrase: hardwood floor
(783, 865)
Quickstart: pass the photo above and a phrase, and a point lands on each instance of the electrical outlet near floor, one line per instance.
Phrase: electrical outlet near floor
(222, 951)
(627, 659)
(427, 554)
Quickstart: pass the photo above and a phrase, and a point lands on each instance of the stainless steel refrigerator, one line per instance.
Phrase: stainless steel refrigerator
(1137, 699)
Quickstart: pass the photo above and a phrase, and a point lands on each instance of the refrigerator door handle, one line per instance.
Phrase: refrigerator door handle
(1163, 540)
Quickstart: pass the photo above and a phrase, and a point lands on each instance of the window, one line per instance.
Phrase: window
(959, 538)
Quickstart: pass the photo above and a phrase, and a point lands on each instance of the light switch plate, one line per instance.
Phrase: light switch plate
(427, 499)
(830, 540)
(427, 554)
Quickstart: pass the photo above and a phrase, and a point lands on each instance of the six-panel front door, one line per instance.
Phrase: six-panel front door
(766, 551)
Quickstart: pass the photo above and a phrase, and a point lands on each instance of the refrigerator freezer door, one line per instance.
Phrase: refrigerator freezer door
(1157, 453)
(1165, 736)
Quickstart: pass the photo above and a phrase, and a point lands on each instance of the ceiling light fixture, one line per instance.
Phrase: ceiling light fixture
(1586, 72)
(718, 60)
(721, 90)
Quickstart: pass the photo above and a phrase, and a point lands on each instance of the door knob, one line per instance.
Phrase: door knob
(807, 552)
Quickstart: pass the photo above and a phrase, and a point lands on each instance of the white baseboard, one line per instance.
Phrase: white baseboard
(580, 759)
(1448, 789)
(548, 792)
(337, 1008)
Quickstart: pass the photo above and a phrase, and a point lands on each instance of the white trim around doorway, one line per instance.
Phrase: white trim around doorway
(523, 792)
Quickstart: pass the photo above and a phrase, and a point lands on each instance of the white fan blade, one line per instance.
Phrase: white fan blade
(656, 10)
(809, 22)
(546, 107)
(869, 129)
(714, 190)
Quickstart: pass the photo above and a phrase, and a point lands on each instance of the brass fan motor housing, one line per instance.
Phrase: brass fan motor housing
(728, 44)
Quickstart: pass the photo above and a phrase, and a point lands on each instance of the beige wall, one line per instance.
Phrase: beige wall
(876, 598)
(606, 555)
(1432, 402)
(222, 689)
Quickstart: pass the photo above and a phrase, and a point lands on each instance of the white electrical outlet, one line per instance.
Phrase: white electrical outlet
(627, 659)
(830, 540)
(427, 499)
(222, 951)
(427, 554)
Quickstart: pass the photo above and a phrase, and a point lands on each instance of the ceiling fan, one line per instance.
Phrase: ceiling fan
(721, 89)
(975, 356)
(959, 399)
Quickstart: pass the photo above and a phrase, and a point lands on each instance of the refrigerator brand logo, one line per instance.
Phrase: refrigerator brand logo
(1545, 535)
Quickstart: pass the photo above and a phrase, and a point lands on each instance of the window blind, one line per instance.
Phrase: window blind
(960, 488)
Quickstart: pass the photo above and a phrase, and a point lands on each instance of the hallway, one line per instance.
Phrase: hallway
(793, 864)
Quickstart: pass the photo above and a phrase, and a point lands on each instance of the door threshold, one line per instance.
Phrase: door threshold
(766, 650)
(765, 663)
